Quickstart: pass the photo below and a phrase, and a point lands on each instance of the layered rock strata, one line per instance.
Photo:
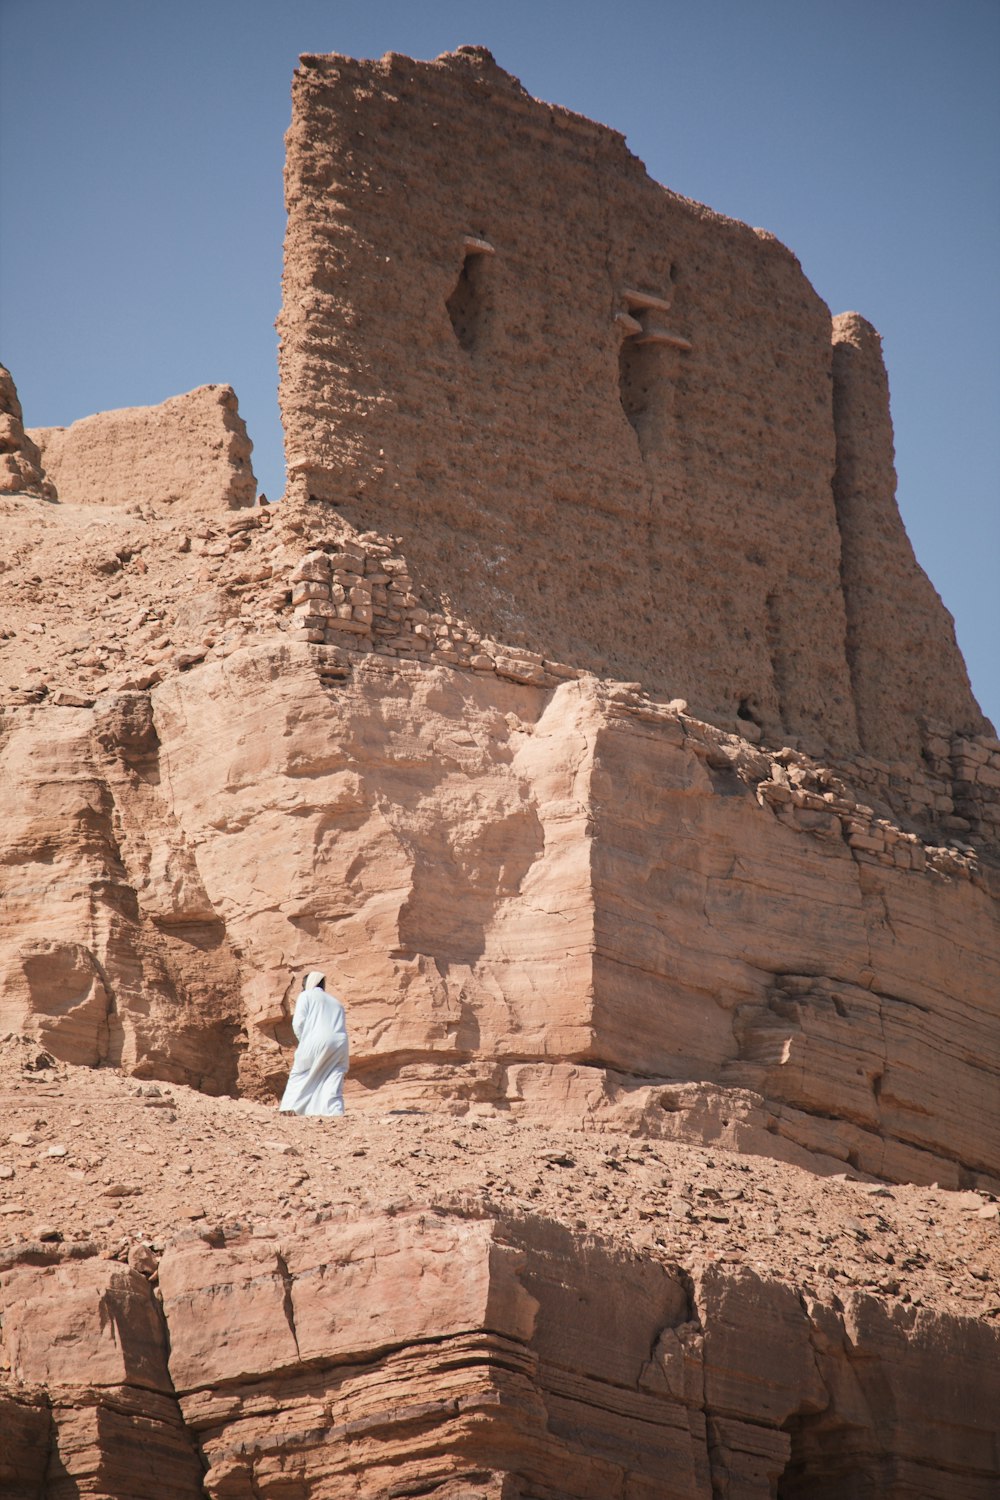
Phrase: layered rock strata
(190, 451)
(546, 344)
(535, 1362)
(469, 1307)
(525, 893)
(542, 896)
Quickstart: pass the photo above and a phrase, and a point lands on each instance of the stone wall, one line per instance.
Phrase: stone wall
(191, 451)
(598, 414)
(359, 592)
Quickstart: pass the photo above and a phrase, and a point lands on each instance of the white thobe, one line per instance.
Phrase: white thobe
(315, 1084)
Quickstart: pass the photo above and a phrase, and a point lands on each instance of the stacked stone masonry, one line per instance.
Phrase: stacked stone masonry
(358, 592)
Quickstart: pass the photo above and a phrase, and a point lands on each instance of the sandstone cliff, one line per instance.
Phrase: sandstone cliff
(671, 1161)
(418, 1303)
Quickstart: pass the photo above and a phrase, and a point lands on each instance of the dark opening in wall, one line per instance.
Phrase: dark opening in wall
(748, 712)
(648, 366)
(639, 386)
(466, 306)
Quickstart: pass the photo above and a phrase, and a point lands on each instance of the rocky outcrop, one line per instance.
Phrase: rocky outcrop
(533, 1361)
(537, 1362)
(20, 461)
(96, 972)
(89, 1397)
(525, 895)
(549, 345)
(191, 452)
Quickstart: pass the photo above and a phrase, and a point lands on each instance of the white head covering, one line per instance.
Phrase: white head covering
(314, 980)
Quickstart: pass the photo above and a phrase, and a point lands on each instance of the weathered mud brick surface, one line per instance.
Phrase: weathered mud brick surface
(189, 451)
(582, 400)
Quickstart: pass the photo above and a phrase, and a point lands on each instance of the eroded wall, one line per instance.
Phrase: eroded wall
(599, 414)
(20, 461)
(191, 451)
(901, 647)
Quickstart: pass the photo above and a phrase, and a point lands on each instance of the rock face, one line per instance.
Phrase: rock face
(535, 1354)
(190, 451)
(524, 894)
(607, 928)
(548, 344)
(89, 1338)
(20, 460)
(533, 1361)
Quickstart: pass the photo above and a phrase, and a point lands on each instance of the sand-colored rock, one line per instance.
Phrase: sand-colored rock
(88, 1322)
(670, 1163)
(20, 460)
(524, 896)
(191, 452)
(94, 974)
(494, 1306)
(87, 1335)
(528, 338)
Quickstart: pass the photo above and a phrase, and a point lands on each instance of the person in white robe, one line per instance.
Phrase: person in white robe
(316, 1083)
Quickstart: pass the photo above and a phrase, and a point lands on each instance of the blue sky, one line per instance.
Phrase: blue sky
(141, 210)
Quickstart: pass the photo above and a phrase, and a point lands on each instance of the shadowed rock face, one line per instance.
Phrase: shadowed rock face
(599, 414)
(533, 1362)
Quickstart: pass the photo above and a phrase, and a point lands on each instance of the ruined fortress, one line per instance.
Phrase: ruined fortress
(619, 428)
(583, 711)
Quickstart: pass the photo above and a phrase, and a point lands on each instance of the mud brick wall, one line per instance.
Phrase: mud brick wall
(904, 662)
(191, 451)
(601, 417)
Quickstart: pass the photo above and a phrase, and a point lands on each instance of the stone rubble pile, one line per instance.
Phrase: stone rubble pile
(815, 800)
(956, 792)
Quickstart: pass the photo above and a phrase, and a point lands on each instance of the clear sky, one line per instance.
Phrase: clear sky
(141, 212)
